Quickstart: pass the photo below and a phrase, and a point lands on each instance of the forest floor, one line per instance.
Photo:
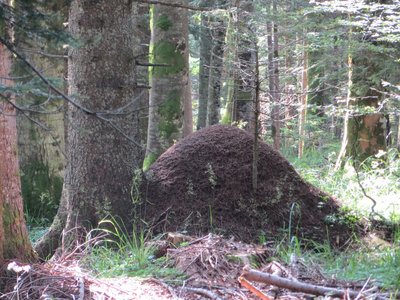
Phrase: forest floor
(212, 267)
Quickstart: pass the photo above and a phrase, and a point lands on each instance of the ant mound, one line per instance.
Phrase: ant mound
(204, 184)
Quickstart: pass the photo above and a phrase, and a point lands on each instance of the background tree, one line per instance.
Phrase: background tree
(205, 56)
(14, 240)
(243, 110)
(170, 111)
(103, 128)
(218, 32)
(41, 144)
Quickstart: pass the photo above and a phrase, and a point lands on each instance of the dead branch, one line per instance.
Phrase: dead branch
(373, 212)
(204, 292)
(254, 275)
(252, 288)
(173, 4)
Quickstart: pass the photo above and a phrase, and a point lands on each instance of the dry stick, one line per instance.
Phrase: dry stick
(258, 276)
(173, 4)
(365, 194)
(170, 289)
(204, 292)
(252, 288)
(277, 271)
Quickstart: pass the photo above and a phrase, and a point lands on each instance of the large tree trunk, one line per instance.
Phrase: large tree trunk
(365, 132)
(170, 113)
(14, 240)
(100, 159)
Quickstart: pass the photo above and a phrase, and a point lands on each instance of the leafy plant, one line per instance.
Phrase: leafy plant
(125, 255)
(211, 175)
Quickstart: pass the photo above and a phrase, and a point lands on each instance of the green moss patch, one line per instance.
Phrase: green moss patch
(170, 110)
(149, 160)
(163, 22)
(164, 52)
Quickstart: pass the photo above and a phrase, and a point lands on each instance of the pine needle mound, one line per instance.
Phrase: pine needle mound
(204, 184)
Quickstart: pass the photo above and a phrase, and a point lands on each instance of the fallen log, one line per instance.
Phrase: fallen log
(254, 275)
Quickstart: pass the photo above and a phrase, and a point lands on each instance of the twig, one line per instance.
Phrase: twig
(365, 194)
(252, 288)
(170, 289)
(173, 4)
(204, 292)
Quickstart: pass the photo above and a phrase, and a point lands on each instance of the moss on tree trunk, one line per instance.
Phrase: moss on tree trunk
(170, 113)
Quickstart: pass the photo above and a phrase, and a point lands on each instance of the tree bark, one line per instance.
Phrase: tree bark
(215, 72)
(273, 76)
(205, 57)
(170, 113)
(14, 239)
(100, 160)
(276, 93)
(303, 102)
(243, 112)
(231, 51)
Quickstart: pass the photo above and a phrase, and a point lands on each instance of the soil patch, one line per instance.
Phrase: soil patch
(204, 184)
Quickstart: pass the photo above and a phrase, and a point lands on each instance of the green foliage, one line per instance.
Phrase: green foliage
(41, 191)
(381, 264)
(124, 255)
(34, 21)
(378, 177)
(211, 176)
(163, 22)
(35, 233)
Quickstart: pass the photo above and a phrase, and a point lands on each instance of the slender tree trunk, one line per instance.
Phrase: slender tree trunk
(170, 113)
(100, 159)
(303, 103)
(276, 91)
(289, 98)
(343, 147)
(273, 76)
(14, 240)
(205, 57)
(398, 135)
(256, 121)
(142, 38)
(230, 56)
(215, 75)
(243, 105)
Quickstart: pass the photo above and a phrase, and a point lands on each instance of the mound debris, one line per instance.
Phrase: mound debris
(204, 184)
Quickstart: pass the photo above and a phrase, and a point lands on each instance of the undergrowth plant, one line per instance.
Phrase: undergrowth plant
(377, 178)
(126, 255)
